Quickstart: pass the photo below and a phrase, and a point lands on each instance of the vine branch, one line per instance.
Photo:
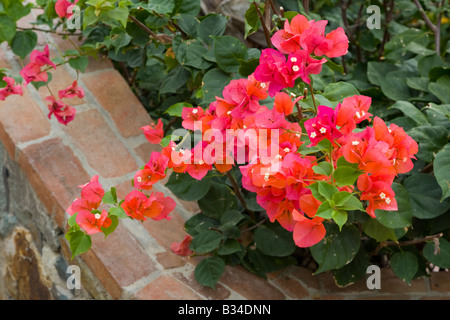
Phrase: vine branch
(407, 243)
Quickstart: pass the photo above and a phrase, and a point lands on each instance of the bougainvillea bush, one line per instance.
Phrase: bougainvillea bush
(327, 147)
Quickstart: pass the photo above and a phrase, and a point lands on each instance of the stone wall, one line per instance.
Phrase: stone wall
(42, 164)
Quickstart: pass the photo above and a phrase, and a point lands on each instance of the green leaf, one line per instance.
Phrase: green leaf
(442, 170)
(431, 140)
(252, 21)
(339, 91)
(337, 249)
(118, 212)
(274, 241)
(247, 67)
(218, 200)
(111, 16)
(205, 241)
(377, 231)
(209, 271)
(119, 38)
(352, 203)
(23, 43)
(324, 168)
(232, 216)
(405, 265)
(187, 188)
(314, 187)
(411, 111)
(376, 71)
(401, 218)
(341, 198)
(188, 24)
(425, 195)
(190, 53)
(260, 263)
(7, 28)
(176, 109)
(191, 7)
(440, 89)
(160, 6)
(214, 81)
(110, 197)
(79, 63)
(325, 211)
(438, 256)
(89, 17)
(230, 246)
(80, 242)
(72, 220)
(394, 86)
(199, 222)
(211, 25)
(346, 176)
(340, 217)
(174, 80)
(327, 190)
(112, 227)
(353, 271)
(228, 51)
(334, 66)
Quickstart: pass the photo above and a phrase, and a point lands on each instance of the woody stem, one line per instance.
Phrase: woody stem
(405, 243)
(238, 193)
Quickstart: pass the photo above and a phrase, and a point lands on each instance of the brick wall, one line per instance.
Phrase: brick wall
(43, 162)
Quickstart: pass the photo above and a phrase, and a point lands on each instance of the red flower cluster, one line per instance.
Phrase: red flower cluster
(33, 72)
(10, 89)
(275, 170)
(136, 205)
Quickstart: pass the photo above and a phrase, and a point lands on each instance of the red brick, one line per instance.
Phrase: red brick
(169, 260)
(391, 283)
(4, 63)
(218, 293)
(166, 288)
(145, 150)
(21, 120)
(166, 232)
(116, 97)
(54, 172)
(440, 281)
(103, 150)
(117, 261)
(306, 277)
(249, 285)
(290, 286)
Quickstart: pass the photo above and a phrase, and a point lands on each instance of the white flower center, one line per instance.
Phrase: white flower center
(355, 143)
(97, 216)
(388, 200)
(286, 150)
(295, 68)
(382, 195)
(294, 59)
(313, 135)
(139, 179)
(194, 111)
(323, 130)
